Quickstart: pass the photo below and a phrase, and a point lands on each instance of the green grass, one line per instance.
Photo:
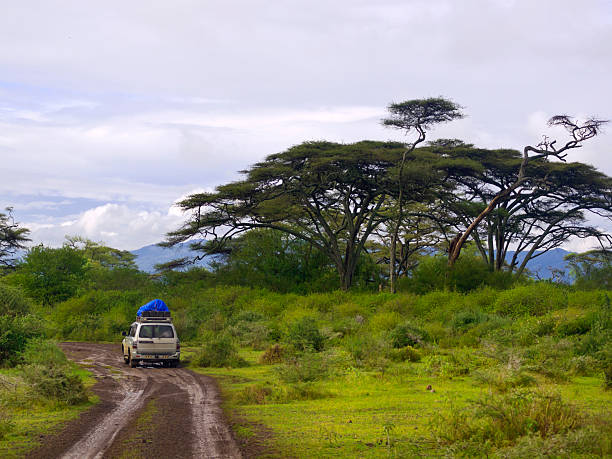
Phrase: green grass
(364, 408)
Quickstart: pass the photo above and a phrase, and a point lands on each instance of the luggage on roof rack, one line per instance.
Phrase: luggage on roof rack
(153, 306)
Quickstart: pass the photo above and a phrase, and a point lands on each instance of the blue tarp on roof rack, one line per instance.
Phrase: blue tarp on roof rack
(155, 305)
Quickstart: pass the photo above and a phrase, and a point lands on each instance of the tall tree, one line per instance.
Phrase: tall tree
(100, 255)
(12, 239)
(540, 215)
(52, 275)
(324, 193)
(413, 116)
(579, 132)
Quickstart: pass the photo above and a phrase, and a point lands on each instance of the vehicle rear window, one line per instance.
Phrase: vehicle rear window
(156, 331)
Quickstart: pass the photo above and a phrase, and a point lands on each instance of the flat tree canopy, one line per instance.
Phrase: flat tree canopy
(325, 193)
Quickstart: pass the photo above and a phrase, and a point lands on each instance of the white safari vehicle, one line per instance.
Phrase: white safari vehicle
(152, 338)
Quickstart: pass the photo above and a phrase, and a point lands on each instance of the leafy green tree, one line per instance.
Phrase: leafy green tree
(52, 275)
(275, 260)
(12, 239)
(100, 255)
(413, 116)
(578, 132)
(326, 194)
(543, 213)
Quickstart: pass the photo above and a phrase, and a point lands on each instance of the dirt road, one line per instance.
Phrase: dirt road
(150, 412)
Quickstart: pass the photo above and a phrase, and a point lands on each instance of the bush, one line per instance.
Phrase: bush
(261, 394)
(39, 351)
(536, 300)
(6, 425)
(219, 351)
(12, 302)
(304, 335)
(312, 366)
(407, 353)
(407, 335)
(56, 382)
(14, 335)
(501, 419)
(465, 319)
(274, 354)
(503, 379)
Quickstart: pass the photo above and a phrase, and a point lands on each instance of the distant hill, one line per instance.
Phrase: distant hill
(543, 265)
(147, 257)
(150, 255)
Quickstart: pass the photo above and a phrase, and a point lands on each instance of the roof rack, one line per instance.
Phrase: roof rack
(154, 316)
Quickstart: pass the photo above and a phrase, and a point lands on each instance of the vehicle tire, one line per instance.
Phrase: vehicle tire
(131, 360)
(125, 359)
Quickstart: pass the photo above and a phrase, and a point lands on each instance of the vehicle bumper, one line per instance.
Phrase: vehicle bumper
(156, 358)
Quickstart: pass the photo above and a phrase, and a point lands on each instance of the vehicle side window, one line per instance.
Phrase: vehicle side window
(133, 331)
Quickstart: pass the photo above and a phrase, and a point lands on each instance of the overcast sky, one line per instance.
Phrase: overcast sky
(110, 111)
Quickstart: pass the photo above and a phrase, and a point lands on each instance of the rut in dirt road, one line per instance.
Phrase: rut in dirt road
(188, 423)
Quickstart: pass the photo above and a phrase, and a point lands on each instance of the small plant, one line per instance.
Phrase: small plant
(388, 428)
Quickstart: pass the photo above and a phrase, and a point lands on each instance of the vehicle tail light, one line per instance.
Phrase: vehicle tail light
(135, 345)
(178, 346)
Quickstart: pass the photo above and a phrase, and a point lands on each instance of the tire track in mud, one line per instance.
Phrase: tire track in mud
(124, 391)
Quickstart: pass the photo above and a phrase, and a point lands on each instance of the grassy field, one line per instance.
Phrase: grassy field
(369, 413)
(518, 372)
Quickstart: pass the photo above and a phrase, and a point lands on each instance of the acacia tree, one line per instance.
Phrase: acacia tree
(579, 132)
(540, 215)
(324, 193)
(12, 239)
(410, 116)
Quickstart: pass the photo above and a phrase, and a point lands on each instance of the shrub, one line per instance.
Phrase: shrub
(274, 354)
(307, 367)
(219, 351)
(504, 378)
(14, 335)
(407, 353)
(56, 382)
(536, 299)
(261, 394)
(304, 335)
(383, 321)
(39, 351)
(312, 366)
(248, 333)
(12, 301)
(465, 319)
(407, 335)
(445, 366)
(6, 425)
(501, 419)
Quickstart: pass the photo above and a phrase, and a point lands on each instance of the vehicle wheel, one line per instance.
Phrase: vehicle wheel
(175, 363)
(131, 360)
(125, 359)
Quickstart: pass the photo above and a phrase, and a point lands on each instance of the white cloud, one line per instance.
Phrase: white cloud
(116, 225)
